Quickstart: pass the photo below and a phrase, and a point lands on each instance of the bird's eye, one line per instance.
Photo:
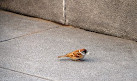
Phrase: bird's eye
(85, 51)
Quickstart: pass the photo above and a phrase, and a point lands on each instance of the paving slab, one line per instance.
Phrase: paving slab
(13, 25)
(112, 17)
(109, 59)
(7, 75)
(46, 9)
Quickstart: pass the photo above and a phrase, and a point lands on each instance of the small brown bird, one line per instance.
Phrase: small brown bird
(76, 55)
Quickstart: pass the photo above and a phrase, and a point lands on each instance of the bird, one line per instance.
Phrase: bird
(76, 55)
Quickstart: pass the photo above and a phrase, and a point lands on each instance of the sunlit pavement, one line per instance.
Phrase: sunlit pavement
(29, 48)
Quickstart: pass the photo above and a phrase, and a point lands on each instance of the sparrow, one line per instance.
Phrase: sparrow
(76, 55)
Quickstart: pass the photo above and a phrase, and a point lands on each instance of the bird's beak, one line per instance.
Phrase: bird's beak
(87, 53)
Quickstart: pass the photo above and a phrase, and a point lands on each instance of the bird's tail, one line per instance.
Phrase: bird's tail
(62, 56)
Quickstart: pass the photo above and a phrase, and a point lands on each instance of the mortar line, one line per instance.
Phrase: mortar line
(64, 11)
(26, 34)
(26, 74)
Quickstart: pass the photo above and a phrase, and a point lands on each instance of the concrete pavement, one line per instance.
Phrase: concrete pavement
(12, 25)
(11, 75)
(31, 56)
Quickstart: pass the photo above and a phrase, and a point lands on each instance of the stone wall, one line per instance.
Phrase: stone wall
(112, 17)
(46, 9)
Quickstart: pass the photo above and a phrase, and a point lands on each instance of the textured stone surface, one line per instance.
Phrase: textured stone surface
(113, 17)
(7, 75)
(13, 25)
(46, 9)
(109, 59)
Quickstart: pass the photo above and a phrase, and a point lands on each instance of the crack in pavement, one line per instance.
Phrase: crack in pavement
(26, 74)
(26, 34)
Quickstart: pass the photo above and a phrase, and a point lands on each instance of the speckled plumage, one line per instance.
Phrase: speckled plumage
(76, 55)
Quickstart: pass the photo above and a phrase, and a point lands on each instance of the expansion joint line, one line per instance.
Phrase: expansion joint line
(27, 34)
(26, 74)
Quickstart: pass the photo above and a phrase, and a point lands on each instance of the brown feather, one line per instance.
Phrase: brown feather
(61, 56)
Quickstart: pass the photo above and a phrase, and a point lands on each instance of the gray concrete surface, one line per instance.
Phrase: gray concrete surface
(46, 9)
(112, 17)
(7, 75)
(110, 58)
(13, 25)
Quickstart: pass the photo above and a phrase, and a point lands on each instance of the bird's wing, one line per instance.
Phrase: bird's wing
(77, 54)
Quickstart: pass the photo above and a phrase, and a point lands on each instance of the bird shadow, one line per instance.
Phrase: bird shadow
(83, 60)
